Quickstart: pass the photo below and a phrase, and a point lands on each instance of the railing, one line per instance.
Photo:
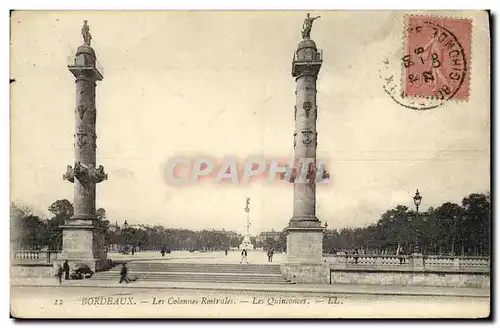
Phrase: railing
(28, 256)
(414, 261)
(461, 261)
(77, 61)
(318, 56)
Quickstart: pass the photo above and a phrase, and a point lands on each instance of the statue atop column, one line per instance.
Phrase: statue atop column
(307, 26)
(86, 33)
(247, 207)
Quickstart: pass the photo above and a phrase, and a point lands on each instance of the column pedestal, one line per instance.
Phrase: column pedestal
(84, 244)
(304, 245)
(304, 256)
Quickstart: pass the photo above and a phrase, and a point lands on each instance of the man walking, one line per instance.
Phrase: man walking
(400, 253)
(59, 273)
(123, 274)
(270, 254)
(356, 256)
(66, 270)
(244, 256)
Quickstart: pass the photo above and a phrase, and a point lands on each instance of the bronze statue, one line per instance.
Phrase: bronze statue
(247, 207)
(307, 26)
(86, 33)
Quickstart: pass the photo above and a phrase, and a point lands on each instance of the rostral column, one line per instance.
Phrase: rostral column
(304, 232)
(83, 241)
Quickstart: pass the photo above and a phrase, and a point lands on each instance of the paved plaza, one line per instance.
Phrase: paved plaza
(254, 257)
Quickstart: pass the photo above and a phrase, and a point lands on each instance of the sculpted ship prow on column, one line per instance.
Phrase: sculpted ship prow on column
(83, 242)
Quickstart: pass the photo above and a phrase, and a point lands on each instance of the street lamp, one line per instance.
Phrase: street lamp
(417, 200)
(125, 236)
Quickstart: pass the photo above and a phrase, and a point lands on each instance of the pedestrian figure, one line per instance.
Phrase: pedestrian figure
(66, 270)
(400, 253)
(244, 256)
(163, 251)
(270, 255)
(123, 274)
(59, 273)
(133, 250)
(356, 256)
(225, 252)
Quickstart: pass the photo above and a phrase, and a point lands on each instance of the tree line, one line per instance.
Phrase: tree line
(459, 229)
(450, 229)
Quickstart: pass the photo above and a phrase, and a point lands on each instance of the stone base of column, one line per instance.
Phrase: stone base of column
(306, 273)
(304, 252)
(304, 241)
(84, 244)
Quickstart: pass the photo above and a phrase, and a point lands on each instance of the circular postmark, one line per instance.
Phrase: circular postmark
(433, 67)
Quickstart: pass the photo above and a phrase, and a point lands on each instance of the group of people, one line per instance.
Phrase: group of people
(80, 271)
(244, 255)
(60, 270)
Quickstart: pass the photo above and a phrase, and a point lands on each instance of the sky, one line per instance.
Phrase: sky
(219, 84)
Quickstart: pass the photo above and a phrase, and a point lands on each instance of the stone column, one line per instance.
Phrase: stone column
(85, 143)
(82, 239)
(305, 144)
(304, 261)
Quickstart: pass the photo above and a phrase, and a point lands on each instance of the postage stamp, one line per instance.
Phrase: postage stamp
(437, 57)
(434, 66)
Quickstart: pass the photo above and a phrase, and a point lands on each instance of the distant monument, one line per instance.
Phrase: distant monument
(304, 251)
(83, 242)
(247, 243)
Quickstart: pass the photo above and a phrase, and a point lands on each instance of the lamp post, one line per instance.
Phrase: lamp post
(125, 235)
(326, 247)
(417, 200)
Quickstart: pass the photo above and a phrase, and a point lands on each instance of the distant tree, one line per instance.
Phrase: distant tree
(476, 223)
(235, 241)
(62, 207)
(27, 231)
(62, 210)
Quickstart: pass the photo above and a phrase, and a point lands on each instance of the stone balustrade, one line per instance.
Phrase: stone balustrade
(407, 262)
(33, 256)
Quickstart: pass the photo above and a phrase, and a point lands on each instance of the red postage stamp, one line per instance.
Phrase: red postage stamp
(437, 58)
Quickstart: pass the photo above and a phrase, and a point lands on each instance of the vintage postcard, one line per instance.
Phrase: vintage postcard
(250, 164)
